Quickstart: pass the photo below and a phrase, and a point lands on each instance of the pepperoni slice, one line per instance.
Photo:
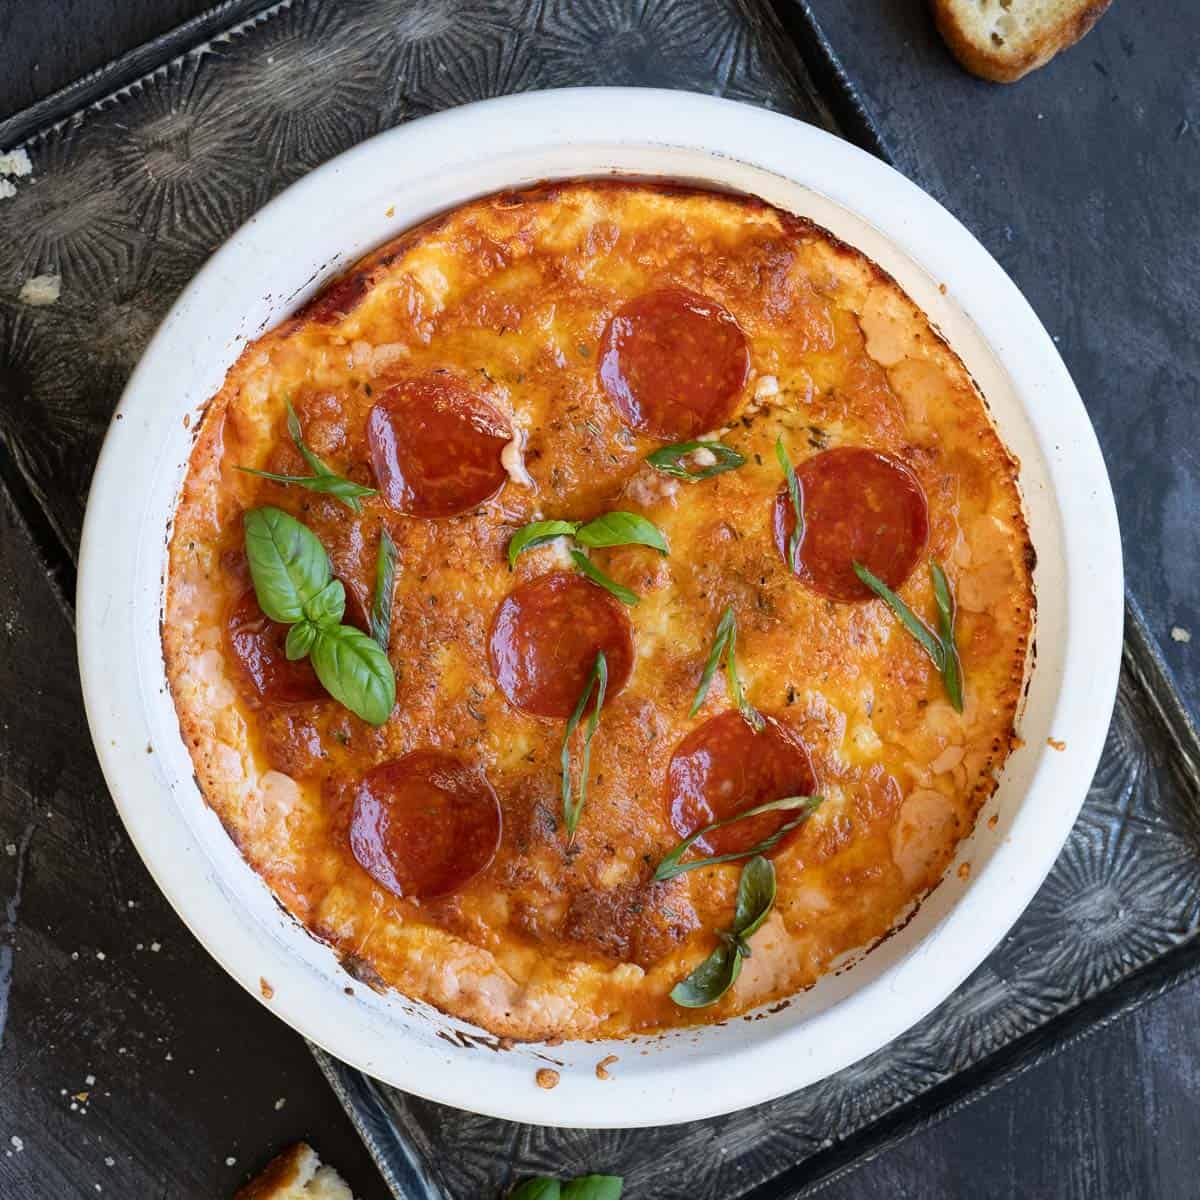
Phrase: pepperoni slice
(545, 638)
(859, 506)
(723, 768)
(673, 363)
(435, 447)
(256, 644)
(425, 825)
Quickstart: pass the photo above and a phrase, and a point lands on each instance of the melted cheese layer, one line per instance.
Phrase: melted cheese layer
(512, 293)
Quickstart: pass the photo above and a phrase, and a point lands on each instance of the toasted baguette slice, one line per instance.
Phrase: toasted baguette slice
(1005, 39)
(296, 1174)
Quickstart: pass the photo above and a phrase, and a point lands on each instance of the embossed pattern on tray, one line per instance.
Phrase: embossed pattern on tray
(129, 197)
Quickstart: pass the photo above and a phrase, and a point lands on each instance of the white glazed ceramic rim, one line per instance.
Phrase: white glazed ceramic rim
(367, 195)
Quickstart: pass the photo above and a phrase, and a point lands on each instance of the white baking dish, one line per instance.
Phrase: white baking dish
(368, 195)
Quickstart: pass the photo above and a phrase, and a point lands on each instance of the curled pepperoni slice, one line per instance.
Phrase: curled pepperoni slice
(859, 506)
(256, 644)
(723, 768)
(425, 825)
(673, 363)
(545, 638)
(435, 446)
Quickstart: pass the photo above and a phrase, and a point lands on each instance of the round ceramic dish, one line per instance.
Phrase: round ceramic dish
(372, 193)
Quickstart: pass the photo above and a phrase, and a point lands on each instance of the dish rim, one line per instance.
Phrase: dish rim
(699, 1084)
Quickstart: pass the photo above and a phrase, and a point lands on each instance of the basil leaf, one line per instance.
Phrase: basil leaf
(593, 1187)
(328, 605)
(719, 971)
(928, 640)
(288, 564)
(538, 533)
(710, 980)
(355, 672)
(724, 626)
(672, 866)
(573, 808)
(385, 587)
(297, 436)
(299, 640)
(621, 529)
(537, 1189)
(952, 671)
(669, 460)
(597, 576)
(755, 897)
(345, 490)
(323, 479)
(750, 714)
(725, 642)
(793, 486)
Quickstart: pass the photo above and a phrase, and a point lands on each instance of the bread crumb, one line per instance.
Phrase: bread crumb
(1179, 634)
(40, 290)
(964, 870)
(268, 992)
(16, 162)
(280, 1103)
(546, 1078)
(296, 1174)
(1055, 744)
(155, 947)
(390, 211)
(101, 955)
(603, 1065)
(942, 288)
(17, 1144)
(993, 820)
(230, 1161)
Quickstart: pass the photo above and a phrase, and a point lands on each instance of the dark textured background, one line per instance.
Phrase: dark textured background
(196, 1077)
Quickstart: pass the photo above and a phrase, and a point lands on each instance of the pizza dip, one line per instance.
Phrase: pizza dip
(601, 610)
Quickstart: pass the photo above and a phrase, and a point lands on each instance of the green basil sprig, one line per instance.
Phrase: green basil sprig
(672, 866)
(294, 584)
(385, 587)
(608, 529)
(940, 647)
(793, 486)
(573, 806)
(669, 460)
(725, 643)
(719, 971)
(586, 1187)
(322, 479)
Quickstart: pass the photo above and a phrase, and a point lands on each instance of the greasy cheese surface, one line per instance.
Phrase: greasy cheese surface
(512, 294)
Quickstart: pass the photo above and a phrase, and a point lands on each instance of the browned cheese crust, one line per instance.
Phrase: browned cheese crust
(512, 292)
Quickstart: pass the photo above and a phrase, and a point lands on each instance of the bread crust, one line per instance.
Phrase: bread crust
(514, 290)
(1007, 64)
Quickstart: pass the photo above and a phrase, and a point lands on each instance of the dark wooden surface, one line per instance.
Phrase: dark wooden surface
(189, 1070)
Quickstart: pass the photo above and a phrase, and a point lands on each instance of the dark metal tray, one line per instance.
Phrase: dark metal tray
(141, 171)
